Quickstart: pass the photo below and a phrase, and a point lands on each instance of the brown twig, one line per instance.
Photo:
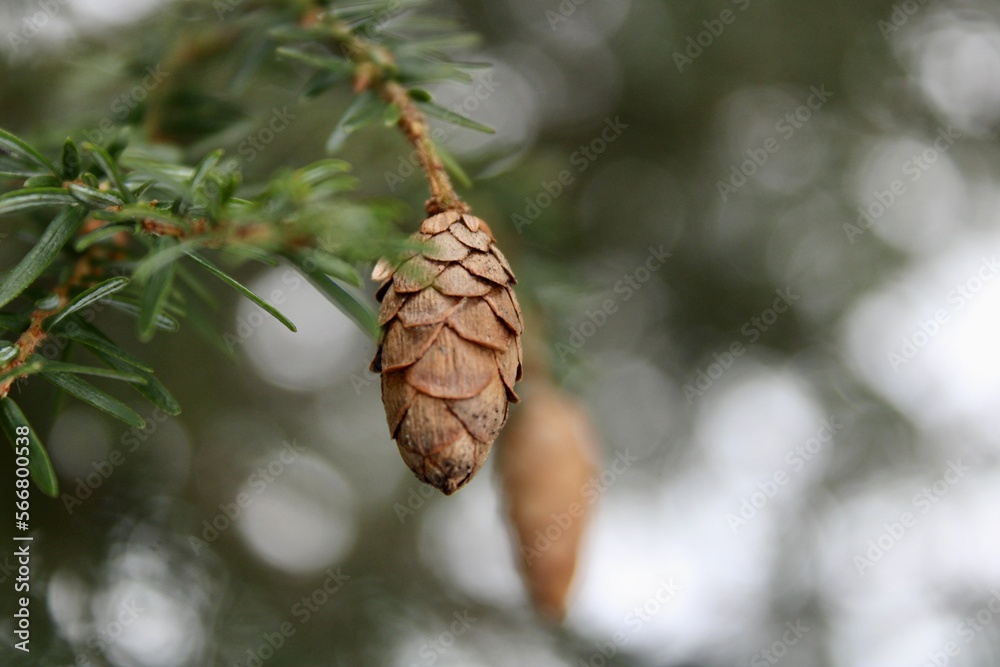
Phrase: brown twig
(28, 342)
(86, 268)
(413, 123)
(35, 335)
(375, 70)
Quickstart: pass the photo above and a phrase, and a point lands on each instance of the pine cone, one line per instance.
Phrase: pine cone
(450, 350)
(547, 460)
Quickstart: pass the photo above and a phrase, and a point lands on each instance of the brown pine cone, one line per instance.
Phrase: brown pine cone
(547, 463)
(450, 350)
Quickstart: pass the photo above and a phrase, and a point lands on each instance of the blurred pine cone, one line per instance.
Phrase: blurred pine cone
(547, 464)
(450, 350)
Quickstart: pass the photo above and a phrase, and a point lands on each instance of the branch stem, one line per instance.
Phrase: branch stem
(35, 335)
(376, 69)
(413, 123)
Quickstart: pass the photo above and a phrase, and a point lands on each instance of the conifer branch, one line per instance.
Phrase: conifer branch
(375, 69)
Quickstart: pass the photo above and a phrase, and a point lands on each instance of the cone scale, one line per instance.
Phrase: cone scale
(450, 349)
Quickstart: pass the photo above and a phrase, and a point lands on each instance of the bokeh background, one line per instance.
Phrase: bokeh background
(807, 389)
